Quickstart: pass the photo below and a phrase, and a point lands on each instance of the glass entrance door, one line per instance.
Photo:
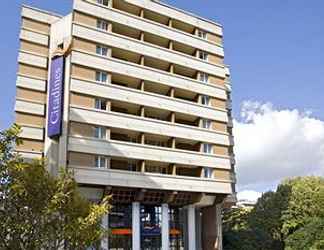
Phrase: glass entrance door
(151, 221)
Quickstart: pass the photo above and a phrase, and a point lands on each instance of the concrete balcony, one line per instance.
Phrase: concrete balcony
(145, 125)
(29, 132)
(178, 14)
(30, 107)
(31, 83)
(124, 94)
(31, 59)
(146, 152)
(146, 49)
(147, 74)
(136, 22)
(34, 37)
(117, 178)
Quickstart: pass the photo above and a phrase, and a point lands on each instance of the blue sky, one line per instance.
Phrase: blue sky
(275, 49)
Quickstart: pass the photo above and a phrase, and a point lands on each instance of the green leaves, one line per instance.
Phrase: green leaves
(290, 218)
(38, 211)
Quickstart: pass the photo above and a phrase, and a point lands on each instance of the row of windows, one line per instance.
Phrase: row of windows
(101, 133)
(102, 77)
(103, 25)
(102, 50)
(101, 104)
(103, 162)
(201, 33)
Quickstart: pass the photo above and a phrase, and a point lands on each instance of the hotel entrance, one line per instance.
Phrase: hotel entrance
(151, 225)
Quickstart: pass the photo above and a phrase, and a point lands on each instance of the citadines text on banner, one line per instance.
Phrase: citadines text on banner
(55, 99)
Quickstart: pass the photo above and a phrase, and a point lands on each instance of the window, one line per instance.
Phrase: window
(103, 2)
(101, 77)
(101, 104)
(102, 24)
(207, 148)
(203, 55)
(203, 77)
(100, 132)
(102, 50)
(208, 173)
(151, 225)
(202, 34)
(205, 100)
(206, 123)
(100, 162)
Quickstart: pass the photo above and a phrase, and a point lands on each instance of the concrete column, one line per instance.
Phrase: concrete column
(136, 226)
(174, 169)
(142, 60)
(173, 117)
(142, 87)
(105, 241)
(165, 227)
(142, 36)
(142, 138)
(219, 241)
(142, 164)
(171, 93)
(142, 111)
(191, 228)
(171, 69)
(171, 45)
(173, 142)
(170, 22)
(212, 227)
(141, 14)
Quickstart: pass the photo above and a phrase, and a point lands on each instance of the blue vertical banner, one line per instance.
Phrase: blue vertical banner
(55, 99)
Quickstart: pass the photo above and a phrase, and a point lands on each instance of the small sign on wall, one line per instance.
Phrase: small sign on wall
(55, 99)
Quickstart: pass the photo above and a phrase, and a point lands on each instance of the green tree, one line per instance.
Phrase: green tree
(306, 201)
(280, 219)
(38, 211)
(310, 236)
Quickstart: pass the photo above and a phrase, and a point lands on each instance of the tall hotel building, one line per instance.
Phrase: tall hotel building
(135, 98)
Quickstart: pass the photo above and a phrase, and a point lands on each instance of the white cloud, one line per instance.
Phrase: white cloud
(272, 144)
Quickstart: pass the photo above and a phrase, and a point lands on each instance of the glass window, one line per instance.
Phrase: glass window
(100, 162)
(205, 100)
(203, 77)
(177, 228)
(100, 132)
(102, 50)
(102, 24)
(207, 148)
(208, 172)
(206, 123)
(202, 34)
(203, 55)
(120, 225)
(101, 104)
(151, 222)
(101, 76)
(103, 2)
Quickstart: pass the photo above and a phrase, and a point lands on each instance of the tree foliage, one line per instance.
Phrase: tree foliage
(310, 236)
(280, 219)
(38, 211)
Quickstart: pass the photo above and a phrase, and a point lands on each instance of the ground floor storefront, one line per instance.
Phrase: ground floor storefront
(159, 220)
(162, 227)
